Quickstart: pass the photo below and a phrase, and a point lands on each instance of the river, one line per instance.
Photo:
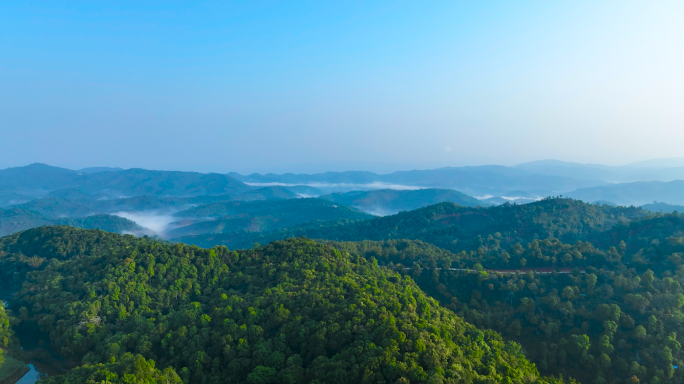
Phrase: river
(31, 376)
(38, 370)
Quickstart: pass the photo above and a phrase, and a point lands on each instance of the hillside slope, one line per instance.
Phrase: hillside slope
(390, 201)
(14, 220)
(456, 228)
(291, 312)
(622, 323)
(259, 216)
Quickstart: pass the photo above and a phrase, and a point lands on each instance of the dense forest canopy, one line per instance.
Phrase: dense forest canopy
(290, 312)
(628, 316)
(440, 294)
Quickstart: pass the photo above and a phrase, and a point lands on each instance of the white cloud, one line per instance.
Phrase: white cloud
(157, 222)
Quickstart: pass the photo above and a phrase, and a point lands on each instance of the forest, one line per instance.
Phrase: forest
(615, 324)
(557, 291)
(289, 312)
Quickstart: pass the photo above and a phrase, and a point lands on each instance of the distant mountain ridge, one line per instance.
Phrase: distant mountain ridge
(637, 193)
(58, 192)
(663, 207)
(474, 181)
(651, 170)
(389, 201)
(39, 179)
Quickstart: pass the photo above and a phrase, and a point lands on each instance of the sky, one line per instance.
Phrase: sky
(274, 86)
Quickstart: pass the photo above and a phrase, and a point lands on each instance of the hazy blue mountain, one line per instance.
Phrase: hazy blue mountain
(70, 194)
(605, 202)
(389, 201)
(474, 181)
(651, 170)
(99, 169)
(223, 209)
(305, 190)
(350, 177)
(8, 198)
(39, 179)
(637, 193)
(266, 193)
(15, 219)
(156, 203)
(162, 183)
(72, 202)
(531, 194)
(258, 216)
(57, 207)
(663, 207)
(109, 223)
(660, 163)
(498, 200)
(141, 203)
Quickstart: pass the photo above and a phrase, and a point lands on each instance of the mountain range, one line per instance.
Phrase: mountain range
(474, 181)
(454, 227)
(260, 216)
(548, 292)
(39, 179)
(442, 288)
(389, 201)
(42, 194)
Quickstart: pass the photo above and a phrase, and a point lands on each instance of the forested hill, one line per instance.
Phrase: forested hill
(619, 323)
(390, 201)
(258, 216)
(290, 312)
(458, 228)
(15, 220)
(312, 207)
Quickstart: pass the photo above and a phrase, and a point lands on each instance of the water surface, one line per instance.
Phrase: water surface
(30, 377)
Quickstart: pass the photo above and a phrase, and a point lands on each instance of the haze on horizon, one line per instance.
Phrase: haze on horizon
(277, 87)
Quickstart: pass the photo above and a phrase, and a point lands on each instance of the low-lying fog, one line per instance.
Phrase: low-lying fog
(159, 223)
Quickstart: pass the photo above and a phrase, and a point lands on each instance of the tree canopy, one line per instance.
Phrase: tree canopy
(294, 311)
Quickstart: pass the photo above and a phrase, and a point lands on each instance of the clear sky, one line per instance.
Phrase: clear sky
(308, 86)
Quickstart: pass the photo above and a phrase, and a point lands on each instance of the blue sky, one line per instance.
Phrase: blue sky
(312, 86)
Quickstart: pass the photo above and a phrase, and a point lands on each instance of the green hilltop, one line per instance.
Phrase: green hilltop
(290, 312)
